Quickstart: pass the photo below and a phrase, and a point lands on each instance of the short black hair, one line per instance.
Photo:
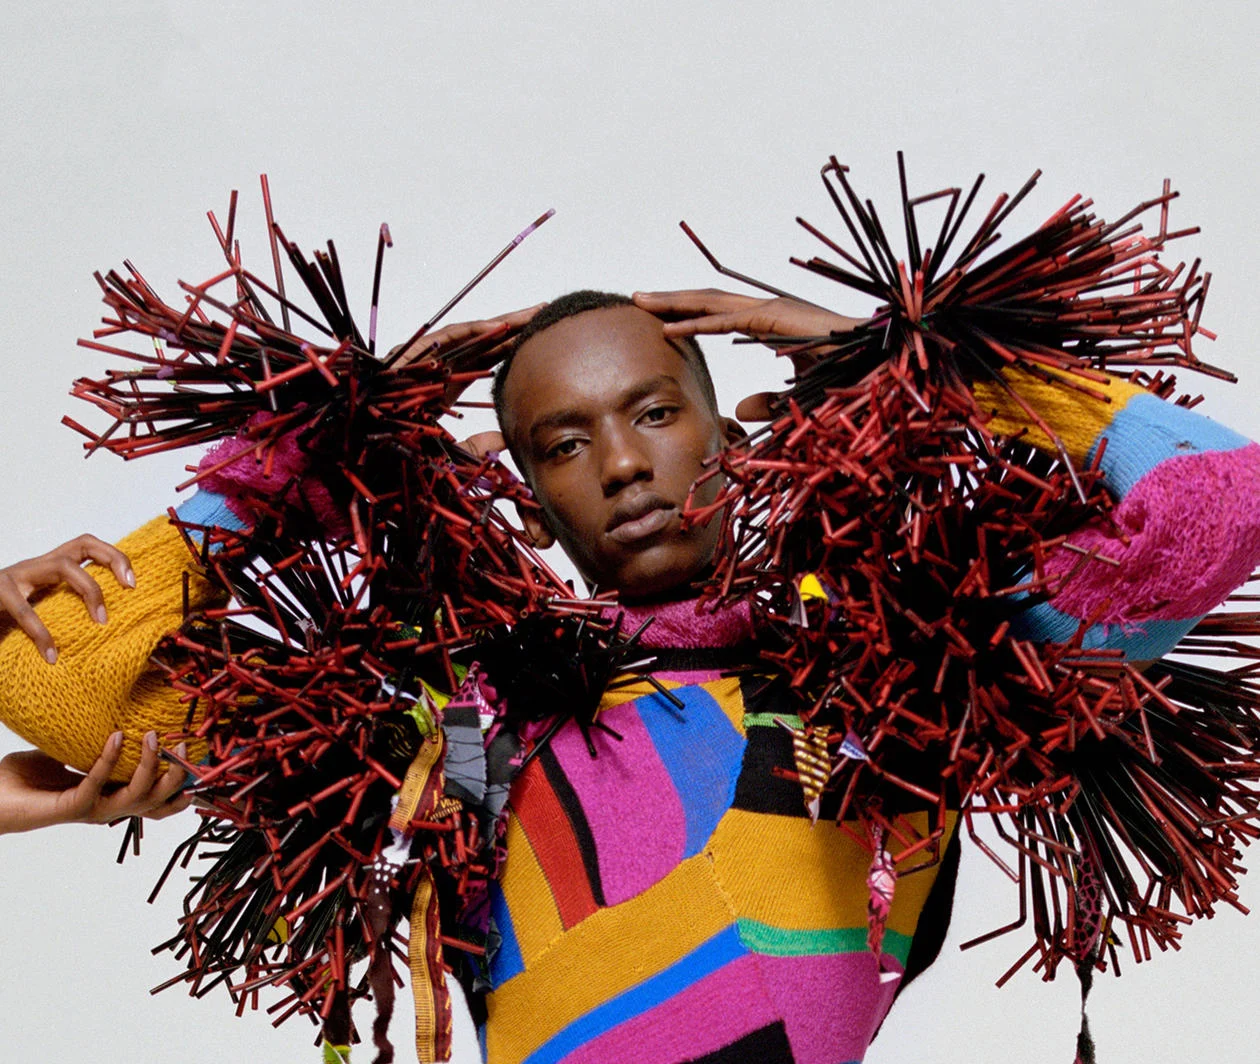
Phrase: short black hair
(579, 302)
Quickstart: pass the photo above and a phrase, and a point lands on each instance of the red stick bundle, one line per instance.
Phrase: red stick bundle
(375, 552)
(891, 543)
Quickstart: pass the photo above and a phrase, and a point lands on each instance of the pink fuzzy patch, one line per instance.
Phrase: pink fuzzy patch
(246, 475)
(1193, 530)
(687, 625)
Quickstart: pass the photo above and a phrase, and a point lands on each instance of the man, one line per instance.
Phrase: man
(670, 899)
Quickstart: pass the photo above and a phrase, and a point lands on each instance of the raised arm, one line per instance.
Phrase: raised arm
(1186, 528)
(1187, 523)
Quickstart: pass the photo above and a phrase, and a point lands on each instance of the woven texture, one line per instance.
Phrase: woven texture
(1185, 532)
(1078, 418)
(103, 680)
(675, 876)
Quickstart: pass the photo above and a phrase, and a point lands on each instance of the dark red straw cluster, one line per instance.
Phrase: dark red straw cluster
(375, 552)
(891, 541)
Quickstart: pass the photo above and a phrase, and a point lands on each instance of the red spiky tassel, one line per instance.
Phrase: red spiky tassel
(889, 539)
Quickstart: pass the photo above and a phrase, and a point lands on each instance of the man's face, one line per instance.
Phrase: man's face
(611, 429)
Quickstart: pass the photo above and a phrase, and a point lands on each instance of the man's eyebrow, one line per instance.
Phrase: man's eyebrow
(577, 416)
(559, 419)
(644, 388)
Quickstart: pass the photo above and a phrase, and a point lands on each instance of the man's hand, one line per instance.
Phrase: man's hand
(711, 311)
(480, 345)
(36, 791)
(481, 444)
(63, 565)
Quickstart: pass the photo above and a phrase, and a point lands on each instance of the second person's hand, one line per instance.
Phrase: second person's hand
(37, 791)
(62, 565)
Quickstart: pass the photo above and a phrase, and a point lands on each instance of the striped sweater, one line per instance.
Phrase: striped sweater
(670, 899)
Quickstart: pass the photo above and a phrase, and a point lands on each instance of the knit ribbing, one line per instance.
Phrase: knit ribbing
(103, 680)
(1076, 418)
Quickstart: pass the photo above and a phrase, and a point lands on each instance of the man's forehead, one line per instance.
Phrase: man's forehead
(597, 356)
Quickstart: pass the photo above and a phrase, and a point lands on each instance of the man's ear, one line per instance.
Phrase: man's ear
(732, 430)
(535, 527)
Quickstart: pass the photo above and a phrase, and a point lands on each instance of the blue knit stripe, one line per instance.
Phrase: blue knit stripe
(208, 508)
(1146, 641)
(704, 960)
(506, 960)
(701, 751)
(1149, 430)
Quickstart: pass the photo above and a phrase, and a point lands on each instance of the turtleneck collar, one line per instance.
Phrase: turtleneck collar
(687, 624)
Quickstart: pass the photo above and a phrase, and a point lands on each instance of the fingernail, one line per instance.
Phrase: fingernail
(101, 616)
(115, 742)
(50, 655)
(150, 740)
(182, 750)
(129, 578)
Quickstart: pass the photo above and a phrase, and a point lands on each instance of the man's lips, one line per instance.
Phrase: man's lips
(643, 516)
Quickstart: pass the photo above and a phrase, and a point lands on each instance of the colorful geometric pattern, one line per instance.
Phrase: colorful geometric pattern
(720, 915)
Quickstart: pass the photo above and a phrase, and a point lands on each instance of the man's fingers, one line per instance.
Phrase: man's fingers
(713, 311)
(489, 345)
(480, 351)
(455, 336)
(518, 319)
(756, 407)
(711, 324)
(460, 332)
(484, 443)
(14, 603)
(696, 301)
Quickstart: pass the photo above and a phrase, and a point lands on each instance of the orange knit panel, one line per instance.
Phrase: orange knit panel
(103, 680)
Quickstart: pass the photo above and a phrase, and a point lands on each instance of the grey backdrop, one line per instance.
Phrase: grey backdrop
(459, 123)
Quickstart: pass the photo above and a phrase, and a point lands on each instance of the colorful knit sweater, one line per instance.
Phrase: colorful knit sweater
(670, 900)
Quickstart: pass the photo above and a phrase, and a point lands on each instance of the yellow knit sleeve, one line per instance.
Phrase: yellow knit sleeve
(1078, 419)
(103, 680)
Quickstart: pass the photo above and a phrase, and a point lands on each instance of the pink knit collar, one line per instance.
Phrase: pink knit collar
(688, 624)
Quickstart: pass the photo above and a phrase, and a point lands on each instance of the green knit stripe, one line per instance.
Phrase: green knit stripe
(771, 720)
(794, 942)
(336, 1054)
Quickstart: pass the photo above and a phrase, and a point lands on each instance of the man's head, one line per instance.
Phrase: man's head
(610, 423)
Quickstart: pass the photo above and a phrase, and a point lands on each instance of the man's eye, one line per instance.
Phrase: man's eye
(563, 449)
(658, 413)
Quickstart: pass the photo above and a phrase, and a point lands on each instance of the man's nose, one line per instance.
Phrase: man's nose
(624, 459)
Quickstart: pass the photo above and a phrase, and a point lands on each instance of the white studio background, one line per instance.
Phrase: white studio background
(458, 124)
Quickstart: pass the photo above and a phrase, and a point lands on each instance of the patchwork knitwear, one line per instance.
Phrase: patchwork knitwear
(1187, 523)
(670, 899)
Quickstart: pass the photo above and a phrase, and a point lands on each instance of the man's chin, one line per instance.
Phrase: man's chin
(659, 575)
